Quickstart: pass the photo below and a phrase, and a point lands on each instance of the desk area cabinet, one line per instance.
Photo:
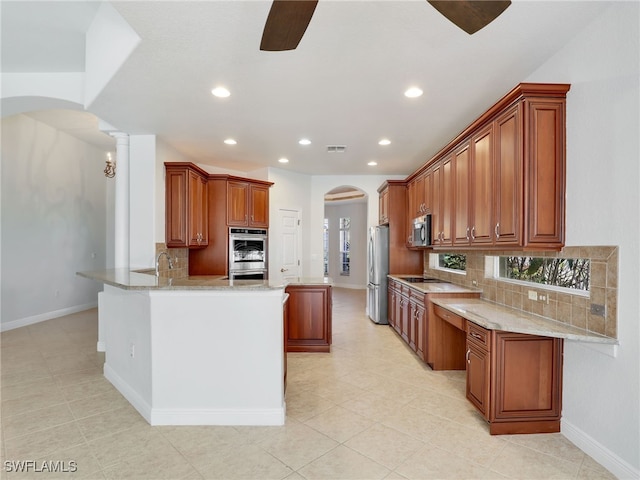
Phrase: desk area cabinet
(513, 379)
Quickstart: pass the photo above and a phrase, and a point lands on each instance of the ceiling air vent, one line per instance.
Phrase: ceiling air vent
(336, 148)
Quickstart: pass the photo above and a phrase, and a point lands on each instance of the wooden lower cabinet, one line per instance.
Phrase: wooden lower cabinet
(417, 320)
(309, 318)
(478, 368)
(515, 380)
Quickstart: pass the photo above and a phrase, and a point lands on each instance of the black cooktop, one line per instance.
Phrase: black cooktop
(423, 280)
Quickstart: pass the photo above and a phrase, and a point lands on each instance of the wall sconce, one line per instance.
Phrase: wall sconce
(110, 169)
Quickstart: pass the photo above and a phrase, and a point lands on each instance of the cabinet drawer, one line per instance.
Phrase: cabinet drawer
(478, 335)
(455, 320)
(416, 296)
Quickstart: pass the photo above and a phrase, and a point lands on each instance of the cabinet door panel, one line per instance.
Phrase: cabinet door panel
(405, 327)
(259, 206)
(176, 206)
(546, 173)
(419, 331)
(307, 313)
(478, 375)
(508, 164)
(481, 204)
(528, 377)
(461, 226)
(436, 202)
(237, 204)
(197, 210)
(447, 200)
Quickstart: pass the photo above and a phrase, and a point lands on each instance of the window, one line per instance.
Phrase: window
(345, 225)
(325, 246)
(559, 273)
(453, 262)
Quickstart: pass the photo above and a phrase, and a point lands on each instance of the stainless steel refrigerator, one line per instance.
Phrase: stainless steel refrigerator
(378, 263)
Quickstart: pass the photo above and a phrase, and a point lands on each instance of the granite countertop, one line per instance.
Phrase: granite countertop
(499, 317)
(444, 287)
(145, 279)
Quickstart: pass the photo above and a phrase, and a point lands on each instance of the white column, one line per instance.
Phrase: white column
(121, 224)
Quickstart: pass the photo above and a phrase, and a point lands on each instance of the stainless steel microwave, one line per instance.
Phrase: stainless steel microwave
(421, 231)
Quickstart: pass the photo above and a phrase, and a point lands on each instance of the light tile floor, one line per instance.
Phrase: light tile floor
(367, 410)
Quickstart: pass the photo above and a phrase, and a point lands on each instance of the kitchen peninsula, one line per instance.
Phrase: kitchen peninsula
(200, 350)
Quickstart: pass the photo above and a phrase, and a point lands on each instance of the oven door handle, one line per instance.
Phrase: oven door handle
(247, 237)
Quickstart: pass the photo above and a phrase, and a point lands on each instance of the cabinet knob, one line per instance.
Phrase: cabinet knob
(467, 355)
(467, 234)
(497, 230)
(473, 232)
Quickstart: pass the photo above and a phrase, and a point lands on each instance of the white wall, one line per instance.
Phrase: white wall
(290, 191)
(142, 200)
(53, 221)
(601, 402)
(357, 212)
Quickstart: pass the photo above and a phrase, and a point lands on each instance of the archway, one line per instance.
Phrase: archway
(345, 236)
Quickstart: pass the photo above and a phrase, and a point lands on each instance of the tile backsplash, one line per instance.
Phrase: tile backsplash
(180, 259)
(562, 307)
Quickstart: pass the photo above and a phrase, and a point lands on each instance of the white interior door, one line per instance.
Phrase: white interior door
(289, 243)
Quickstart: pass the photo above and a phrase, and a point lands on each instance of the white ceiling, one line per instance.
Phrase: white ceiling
(343, 85)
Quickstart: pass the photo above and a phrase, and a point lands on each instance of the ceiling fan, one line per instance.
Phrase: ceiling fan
(288, 19)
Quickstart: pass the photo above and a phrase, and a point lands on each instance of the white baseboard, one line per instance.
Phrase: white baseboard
(601, 454)
(195, 416)
(139, 403)
(23, 322)
(215, 416)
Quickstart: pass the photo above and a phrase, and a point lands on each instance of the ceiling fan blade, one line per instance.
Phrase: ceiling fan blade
(470, 16)
(286, 24)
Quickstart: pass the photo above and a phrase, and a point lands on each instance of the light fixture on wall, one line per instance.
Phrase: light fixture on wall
(110, 169)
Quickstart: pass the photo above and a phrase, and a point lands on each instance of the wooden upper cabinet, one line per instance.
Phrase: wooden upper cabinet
(442, 201)
(383, 207)
(198, 219)
(544, 169)
(247, 204)
(393, 193)
(186, 223)
(508, 183)
(501, 182)
(462, 165)
(237, 208)
(259, 206)
(481, 187)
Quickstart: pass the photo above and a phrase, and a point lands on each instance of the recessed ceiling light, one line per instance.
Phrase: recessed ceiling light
(230, 141)
(284, 160)
(384, 141)
(413, 92)
(304, 141)
(220, 92)
(372, 163)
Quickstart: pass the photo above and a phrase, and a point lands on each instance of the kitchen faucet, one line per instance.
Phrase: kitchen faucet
(158, 262)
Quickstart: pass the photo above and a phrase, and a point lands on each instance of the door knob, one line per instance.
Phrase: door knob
(284, 270)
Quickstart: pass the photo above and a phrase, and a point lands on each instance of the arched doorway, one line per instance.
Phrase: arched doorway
(345, 236)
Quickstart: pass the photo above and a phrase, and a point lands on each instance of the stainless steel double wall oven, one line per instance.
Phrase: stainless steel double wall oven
(247, 253)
